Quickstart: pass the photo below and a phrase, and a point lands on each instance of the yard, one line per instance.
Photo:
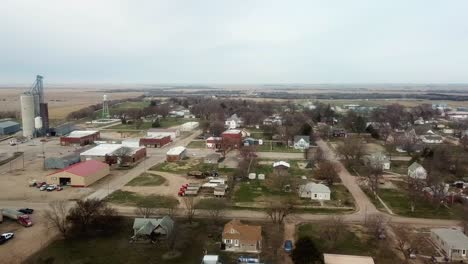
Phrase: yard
(191, 240)
(184, 166)
(276, 146)
(127, 198)
(197, 144)
(354, 240)
(147, 179)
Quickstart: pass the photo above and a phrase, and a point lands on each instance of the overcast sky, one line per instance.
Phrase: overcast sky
(220, 41)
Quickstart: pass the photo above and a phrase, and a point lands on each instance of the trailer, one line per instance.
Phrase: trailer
(22, 219)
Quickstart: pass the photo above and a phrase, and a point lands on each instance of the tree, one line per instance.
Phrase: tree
(352, 150)
(406, 241)
(373, 177)
(146, 208)
(278, 209)
(354, 122)
(377, 224)
(156, 123)
(414, 189)
(122, 155)
(327, 171)
(91, 215)
(215, 207)
(57, 216)
(333, 230)
(305, 252)
(190, 207)
(216, 128)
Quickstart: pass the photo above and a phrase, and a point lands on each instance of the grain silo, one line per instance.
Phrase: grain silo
(27, 114)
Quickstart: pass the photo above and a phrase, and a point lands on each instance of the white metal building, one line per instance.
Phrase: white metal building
(315, 191)
(452, 241)
(189, 126)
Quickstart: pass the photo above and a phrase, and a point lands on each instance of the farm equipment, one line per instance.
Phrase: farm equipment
(21, 218)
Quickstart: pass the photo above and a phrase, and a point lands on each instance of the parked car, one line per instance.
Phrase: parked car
(43, 187)
(288, 246)
(26, 210)
(51, 188)
(59, 188)
(40, 184)
(5, 237)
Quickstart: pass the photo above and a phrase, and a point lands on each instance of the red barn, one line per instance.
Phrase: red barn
(232, 138)
(80, 138)
(155, 142)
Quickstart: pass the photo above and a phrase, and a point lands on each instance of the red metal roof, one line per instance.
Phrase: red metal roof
(84, 168)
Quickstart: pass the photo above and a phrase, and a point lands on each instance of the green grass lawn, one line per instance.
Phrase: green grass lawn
(400, 167)
(340, 196)
(143, 126)
(399, 202)
(197, 144)
(147, 179)
(247, 192)
(268, 146)
(132, 199)
(164, 123)
(184, 166)
(353, 241)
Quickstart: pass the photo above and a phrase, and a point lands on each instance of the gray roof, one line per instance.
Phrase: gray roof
(453, 237)
(414, 166)
(316, 188)
(306, 138)
(4, 124)
(145, 226)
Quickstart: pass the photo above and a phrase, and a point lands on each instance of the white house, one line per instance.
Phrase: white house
(233, 122)
(379, 159)
(301, 142)
(315, 191)
(416, 171)
(432, 139)
(452, 241)
(281, 164)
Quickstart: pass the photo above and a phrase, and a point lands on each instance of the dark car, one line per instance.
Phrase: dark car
(288, 246)
(26, 210)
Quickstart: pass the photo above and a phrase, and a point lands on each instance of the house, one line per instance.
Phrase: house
(233, 122)
(172, 132)
(114, 154)
(242, 237)
(157, 141)
(457, 115)
(275, 120)
(9, 127)
(416, 171)
(314, 191)
(448, 131)
(301, 142)
(419, 121)
(212, 158)
(62, 162)
(80, 174)
(176, 154)
(232, 138)
(214, 142)
(346, 259)
(152, 228)
(452, 241)
(408, 135)
(252, 141)
(281, 165)
(80, 138)
(432, 139)
(379, 159)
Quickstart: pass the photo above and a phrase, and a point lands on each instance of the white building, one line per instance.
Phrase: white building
(417, 171)
(189, 126)
(280, 164)
(233, 122)
(346, 259)
(432, 139)
(315, 191)
(452, 241)
(155, 132)
(379, 159)
(301, 142)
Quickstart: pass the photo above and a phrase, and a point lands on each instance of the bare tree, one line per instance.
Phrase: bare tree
(190, 207)
(333, 229)
(277, 210)
(327, 171)
(145, 208)
(414, 190)
(56, 215)
(406, 241)
(122, 154)
(352, 150)
(215, 207)
(377, 224)
(374, 176)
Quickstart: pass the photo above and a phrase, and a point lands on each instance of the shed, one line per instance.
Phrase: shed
(173, 133)
(80, 138)
(176, 154)
(452, 241)
(80, 174)
(62, 162)
(153, 226)
(9, 127)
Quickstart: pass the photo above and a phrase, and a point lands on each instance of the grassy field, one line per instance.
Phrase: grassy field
(399, 202)
(355, 240)
(184, 166)
(197, 144)
(147, 179)
(340, 196)
(164, 123)
(128, 105)
(132, 199)
(271, 146)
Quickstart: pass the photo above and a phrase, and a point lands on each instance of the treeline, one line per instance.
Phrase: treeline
(90, 111)
(363, 96)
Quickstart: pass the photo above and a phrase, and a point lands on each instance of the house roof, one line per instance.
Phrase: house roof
(162, 130)
(176, 150)
(5, 124)
(281, 163)
(241, 231)
(102, 150)
(346, 259)
(379, 157)
(305, 138)
(413, 167)
(316, 188)
(234, 117)
(145, 226)
(84, 168)
(454, 237)
(81, 133)
(232, 131)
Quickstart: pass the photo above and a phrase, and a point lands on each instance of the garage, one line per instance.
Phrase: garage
(81, 174)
